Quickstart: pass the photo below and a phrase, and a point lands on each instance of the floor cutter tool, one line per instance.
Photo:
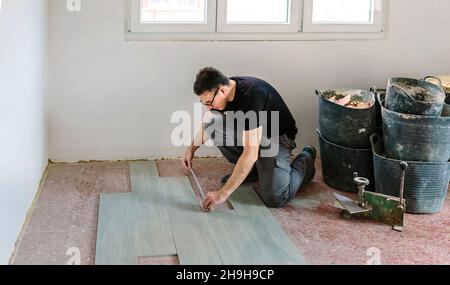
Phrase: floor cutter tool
(383, 208)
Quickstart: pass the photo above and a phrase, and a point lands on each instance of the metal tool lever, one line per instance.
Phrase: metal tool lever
(403, 167)
(402, 204)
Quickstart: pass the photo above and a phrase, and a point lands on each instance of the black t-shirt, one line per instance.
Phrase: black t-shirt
(253, 94)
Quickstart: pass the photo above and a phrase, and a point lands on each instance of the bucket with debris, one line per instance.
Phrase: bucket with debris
(415, 97)
(347, 117)
(416, 138)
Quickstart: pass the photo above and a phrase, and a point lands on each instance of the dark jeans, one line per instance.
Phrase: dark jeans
(279, 179)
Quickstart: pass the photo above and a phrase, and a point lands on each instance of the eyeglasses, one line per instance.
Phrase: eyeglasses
(210, 103)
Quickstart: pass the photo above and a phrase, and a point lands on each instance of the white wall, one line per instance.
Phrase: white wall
(23, 144)
(112, 99)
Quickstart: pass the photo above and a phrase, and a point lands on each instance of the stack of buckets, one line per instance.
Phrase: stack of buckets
(416, 129)
(344, 135)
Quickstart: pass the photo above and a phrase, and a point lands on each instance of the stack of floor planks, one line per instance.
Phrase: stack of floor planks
(162, 217)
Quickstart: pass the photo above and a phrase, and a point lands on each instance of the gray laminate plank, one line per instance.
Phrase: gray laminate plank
(194, 243)
(250, 235)
(115, 245)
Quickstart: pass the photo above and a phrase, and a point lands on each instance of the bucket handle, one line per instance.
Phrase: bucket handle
(435, 78)
(318, 132)
(377, 94)
(378, 97)
(374, 138)
(403, 90)
(441, 85)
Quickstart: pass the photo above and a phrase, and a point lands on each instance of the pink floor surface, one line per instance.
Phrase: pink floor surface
(65, 216)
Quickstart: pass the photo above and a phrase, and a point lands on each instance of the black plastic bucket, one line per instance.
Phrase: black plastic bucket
(339, 163)
(346, 126)
(426, 183)
(416, 138)
(416, 97)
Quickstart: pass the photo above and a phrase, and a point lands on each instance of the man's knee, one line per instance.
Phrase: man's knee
(275, 201)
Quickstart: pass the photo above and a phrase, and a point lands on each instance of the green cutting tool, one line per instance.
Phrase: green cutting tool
(387, 209)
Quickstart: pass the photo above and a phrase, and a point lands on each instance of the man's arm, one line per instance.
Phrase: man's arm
(251, 142)
(199, 140)
(188, 155)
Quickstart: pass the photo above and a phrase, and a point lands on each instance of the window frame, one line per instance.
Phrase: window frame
(135, 31)
(376, 27)
(295, 12)
(135, 25)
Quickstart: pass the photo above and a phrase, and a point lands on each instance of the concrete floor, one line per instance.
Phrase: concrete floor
(65, 216)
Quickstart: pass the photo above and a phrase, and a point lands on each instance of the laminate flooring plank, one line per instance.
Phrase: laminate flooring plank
(191, 232)
(271, 235)
(144, 177)
(135, 224)
(115, 246)
(250, 235)
(153, 233)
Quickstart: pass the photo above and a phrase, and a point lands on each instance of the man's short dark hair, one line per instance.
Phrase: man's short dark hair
(209, 79)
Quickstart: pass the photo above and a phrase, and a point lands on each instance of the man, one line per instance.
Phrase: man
(278, 177)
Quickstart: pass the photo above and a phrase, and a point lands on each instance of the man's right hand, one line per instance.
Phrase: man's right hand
(187, 157)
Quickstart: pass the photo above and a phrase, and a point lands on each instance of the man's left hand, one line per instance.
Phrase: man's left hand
(212, 199)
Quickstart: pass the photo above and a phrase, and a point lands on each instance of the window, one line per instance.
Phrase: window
(255, 19)
(257, 11)
(258, 16)
(173, 16)
(173, 11)
(342, 12)
(343, 16)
